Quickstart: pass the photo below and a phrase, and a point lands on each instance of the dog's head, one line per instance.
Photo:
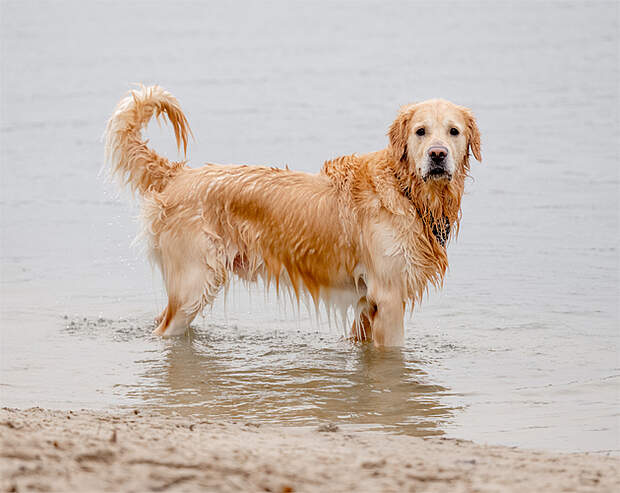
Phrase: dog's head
(432, 140)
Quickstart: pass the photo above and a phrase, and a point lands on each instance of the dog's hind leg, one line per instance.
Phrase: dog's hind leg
(161, 316)
(175, 321)
(194, 275)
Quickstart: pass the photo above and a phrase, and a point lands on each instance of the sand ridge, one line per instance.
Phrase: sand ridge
(91, 451)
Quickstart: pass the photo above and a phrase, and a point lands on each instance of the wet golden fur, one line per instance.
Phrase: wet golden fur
(361, 230)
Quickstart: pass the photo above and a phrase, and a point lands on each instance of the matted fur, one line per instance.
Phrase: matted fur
(364, 229)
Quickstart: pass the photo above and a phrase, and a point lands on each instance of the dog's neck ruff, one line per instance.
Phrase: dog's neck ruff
(441, 232)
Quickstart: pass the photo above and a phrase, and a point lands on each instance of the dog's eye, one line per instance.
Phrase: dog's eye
(420, 132)
(454, 131)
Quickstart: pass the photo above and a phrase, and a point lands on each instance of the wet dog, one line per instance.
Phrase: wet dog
(368, 230)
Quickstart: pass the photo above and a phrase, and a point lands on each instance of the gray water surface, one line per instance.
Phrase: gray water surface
(520, 347)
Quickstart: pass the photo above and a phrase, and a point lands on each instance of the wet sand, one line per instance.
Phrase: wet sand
(45, 450)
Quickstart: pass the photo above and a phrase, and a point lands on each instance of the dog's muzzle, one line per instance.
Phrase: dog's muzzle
(437, 157)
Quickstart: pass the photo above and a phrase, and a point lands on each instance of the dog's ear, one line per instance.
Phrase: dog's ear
(399, 132)
(473, 134)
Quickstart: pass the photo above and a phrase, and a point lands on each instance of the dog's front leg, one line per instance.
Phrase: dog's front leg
(387, 323)
(361, 330)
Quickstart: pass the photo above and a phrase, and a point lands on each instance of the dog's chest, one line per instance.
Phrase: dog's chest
(388, 251)
(401, 252)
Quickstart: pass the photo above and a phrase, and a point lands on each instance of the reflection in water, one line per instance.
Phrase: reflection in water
(291, 378)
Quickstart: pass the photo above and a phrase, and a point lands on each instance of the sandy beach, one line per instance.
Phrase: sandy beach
(46, 450)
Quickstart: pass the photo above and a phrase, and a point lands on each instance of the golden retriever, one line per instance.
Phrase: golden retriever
(369, 230)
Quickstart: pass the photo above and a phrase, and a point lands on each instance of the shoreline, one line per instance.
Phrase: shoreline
(50, 450)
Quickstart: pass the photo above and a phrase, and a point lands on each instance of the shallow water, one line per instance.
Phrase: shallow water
(521, 347)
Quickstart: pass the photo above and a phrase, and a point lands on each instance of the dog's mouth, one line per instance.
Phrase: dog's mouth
(437, 174)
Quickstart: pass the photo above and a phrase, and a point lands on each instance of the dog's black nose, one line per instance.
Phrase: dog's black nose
(438, 154)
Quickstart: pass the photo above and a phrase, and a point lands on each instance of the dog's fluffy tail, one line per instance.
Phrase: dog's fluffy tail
(127, 153)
